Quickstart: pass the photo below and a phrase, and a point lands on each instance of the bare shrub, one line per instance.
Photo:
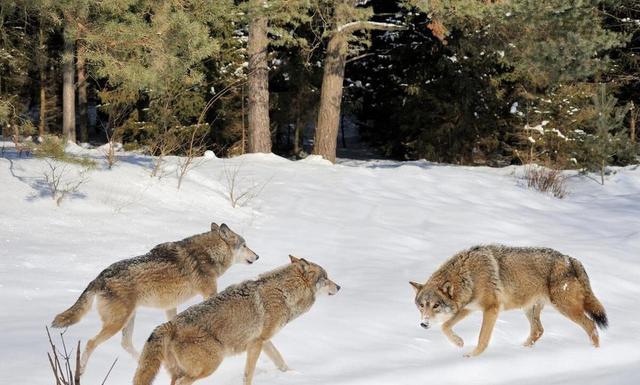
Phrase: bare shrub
(64, 372)
(61, 180)
(161, 145)
(240, 189)
(22, 146)
(194, 147)
(110, 148)
(545, 180)
(117, 106)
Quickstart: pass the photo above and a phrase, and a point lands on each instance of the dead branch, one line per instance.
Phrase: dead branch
(68, 375)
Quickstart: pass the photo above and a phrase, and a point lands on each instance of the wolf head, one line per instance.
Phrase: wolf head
(435, 303)
(239, 250)
(316, 275)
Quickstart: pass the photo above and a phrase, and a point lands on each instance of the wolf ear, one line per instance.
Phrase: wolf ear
(303, 262)
(214, 227)
(416, 286)
(226, 233)
(447, 288)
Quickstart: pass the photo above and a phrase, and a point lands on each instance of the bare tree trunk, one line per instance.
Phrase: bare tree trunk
(258, 106)
(244, 129)
(42, 124)
(632, 122)
(326, 136)
(330, 98)
(82, 93)
(297, 136)
(344, 139)
(298, 124)
(68, 89)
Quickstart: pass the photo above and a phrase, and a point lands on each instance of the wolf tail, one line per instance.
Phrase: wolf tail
(73, 314)
(592, 305)
(152, 355)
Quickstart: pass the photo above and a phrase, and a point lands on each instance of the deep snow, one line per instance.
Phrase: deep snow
(373, 225)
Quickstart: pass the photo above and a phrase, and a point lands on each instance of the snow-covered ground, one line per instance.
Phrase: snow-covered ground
(373, 225)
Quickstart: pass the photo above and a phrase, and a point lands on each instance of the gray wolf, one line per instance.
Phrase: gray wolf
(243, 317)
(168, 275)
(494, 278)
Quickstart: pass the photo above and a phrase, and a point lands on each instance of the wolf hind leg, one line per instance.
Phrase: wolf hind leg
(533, 315)
(183, 380)
(127, 337)
(568, 299)
(188, 362)
(274, 355)
(114, 315)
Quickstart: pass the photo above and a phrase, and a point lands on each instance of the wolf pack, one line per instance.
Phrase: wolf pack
(245, 316)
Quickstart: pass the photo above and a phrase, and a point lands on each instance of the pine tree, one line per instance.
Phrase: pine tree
(473, 73)
(606, 140)
(154, 82)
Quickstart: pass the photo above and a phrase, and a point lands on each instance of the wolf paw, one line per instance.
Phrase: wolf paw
(284, 368)
(471, 354)
(457, 341)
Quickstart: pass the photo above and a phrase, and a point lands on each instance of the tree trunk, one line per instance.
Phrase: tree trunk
(331, 95)
(244, 129)
(258, 106)
(42, 123)
(297, 137)
(68, 89)
(632, 122)
(83, 120)
(330, 98)
(297, 133)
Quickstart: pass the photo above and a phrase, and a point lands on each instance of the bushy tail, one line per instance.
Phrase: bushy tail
(592, 305)
(152, 355)
(77, 310)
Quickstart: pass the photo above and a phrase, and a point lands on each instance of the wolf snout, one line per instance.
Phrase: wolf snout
(253, 259)
(424, 325)
(337, 287)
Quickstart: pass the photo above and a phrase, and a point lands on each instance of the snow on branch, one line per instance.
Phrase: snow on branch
(358, 25)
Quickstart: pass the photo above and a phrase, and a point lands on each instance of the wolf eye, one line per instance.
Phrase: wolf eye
(436, 306)
(421, 305)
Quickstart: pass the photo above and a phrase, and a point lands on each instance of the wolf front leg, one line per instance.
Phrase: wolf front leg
(448, 325)
(253, 352)
(269, 348)
(209, 290)
(489, 317)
